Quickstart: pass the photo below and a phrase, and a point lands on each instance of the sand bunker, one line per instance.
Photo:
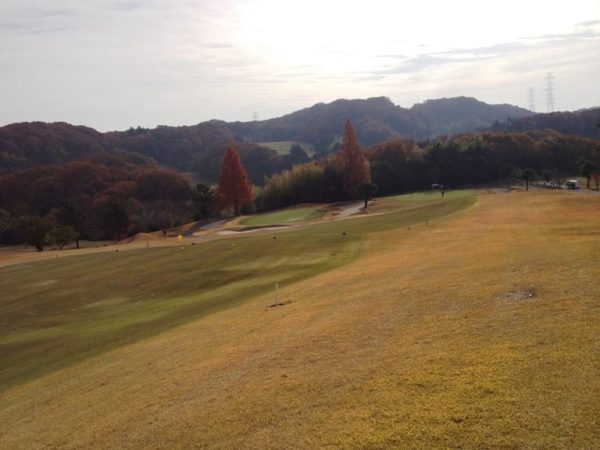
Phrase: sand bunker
(349, 210)
(246, 230)
(144, 237)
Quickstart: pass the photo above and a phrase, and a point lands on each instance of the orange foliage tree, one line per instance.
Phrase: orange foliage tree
(352, 163)
(234, 188)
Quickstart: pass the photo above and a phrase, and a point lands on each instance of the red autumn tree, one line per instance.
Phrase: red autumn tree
(352, 163)
(234, 185)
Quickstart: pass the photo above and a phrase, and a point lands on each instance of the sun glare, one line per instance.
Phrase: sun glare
(315, 28)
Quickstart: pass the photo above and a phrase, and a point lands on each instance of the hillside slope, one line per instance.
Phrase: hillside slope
(377, 119)
(24, 145)
(462, 115)
(199, 148)
(473, 332)
(584, 123)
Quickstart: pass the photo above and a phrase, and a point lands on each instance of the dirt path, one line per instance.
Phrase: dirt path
(348, 210)
(203, 226)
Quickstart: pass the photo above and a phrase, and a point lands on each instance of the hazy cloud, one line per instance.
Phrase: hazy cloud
(589, 23)
(427, 61)
(119, 63)
(127, 5)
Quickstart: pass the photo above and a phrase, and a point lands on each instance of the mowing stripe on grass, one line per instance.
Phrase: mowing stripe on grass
(58, 312)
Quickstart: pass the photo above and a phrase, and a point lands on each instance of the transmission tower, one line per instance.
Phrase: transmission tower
(549, 92)
(531, 97)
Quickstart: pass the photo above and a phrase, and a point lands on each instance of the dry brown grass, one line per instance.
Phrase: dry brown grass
(480, 331)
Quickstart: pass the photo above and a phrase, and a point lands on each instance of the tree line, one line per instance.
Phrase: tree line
(107, 196)
(196, 148)
(199, 148)
(101, 197)
(404, 165)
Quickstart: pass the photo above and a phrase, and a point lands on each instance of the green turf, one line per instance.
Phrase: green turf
(57, 312)
(287, 215)
(434, 195)
(283, 147)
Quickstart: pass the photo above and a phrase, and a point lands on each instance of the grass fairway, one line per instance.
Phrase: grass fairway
(479, 330)
(285, 216)
(61, 311)
(283, 147)
(433, 195)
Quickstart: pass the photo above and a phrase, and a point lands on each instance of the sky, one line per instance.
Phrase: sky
(114, 64)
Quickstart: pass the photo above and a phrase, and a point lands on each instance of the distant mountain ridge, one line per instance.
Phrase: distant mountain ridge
(463, 115)
(199, 148)
(377, 119)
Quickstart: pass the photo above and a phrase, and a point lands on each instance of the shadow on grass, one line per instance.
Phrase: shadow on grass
(58, 312)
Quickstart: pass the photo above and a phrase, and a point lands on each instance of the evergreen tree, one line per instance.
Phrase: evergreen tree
(234, 190)
(527, 175)
(352, 162)
(367, 190)
(114, 218)
(62, 235)
(35, 231)
(73, 216)
(204, 199)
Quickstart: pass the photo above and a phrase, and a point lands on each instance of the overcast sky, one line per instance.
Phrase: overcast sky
(114, 64)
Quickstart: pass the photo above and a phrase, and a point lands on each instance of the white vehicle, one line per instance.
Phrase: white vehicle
(572, 184)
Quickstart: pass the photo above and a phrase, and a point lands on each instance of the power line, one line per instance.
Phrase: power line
(531, 97)
(549, 92)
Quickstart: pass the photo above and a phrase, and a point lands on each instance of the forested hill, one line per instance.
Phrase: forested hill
(24, 145)
(376, 120)
(199, 148)
(585, 122)
(196, 148)
(449, 116)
